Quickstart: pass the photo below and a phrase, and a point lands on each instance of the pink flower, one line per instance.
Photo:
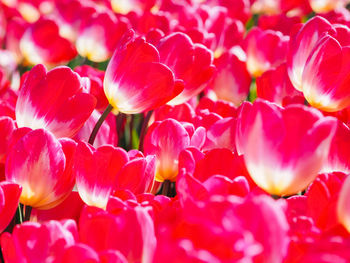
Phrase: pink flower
(96, 171)
(34, 242)
(231, 81)
(190, 62)
(265, 49)
(42, 165)
(99, 35)
(166, 140)
(318, 64)
(136, 80)
(283, 148)
(9, 201)
(42, 44)
(53, 100)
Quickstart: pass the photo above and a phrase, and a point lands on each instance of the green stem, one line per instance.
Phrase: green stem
(27, 212)
(144, 129)
(119, 126)
(131, 127)
(166, 187)
(99, 123)
(20, 216)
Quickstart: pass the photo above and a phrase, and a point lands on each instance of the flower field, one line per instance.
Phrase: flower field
(175, 131)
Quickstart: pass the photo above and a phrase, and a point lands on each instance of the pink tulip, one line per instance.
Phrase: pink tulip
(301, 46)
(221, 135)
(131, 231)
(53, 100)
(99, 35)
(274, 85)
(42, 44)
(136, 81)
(223, 108)
(283, 148)
(137, 174)
(327, 5)
(42, 165)
(281, 22)
(225, 229)
(232, 80)
(265, 49)
(190, 62)
(33, 242)
(166, 140)
(318, 64)
(96, 78)
(96, 171)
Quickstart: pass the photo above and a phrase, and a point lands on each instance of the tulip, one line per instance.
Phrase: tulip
(96, 84)
(42, 165)
(343, 205)
(130, 230)
(322, 197)
(53, 100)
(275, 86)
(326, 5)
(231, 81)
(283, 148)
(7, 126)
(318, 64)
(338, 157)
(96, 171)
(9, 201)
(99, 36)
(265, 49)
(166, 140)
(136, 81)
(42, 44)
(190, 62)
(34, 242)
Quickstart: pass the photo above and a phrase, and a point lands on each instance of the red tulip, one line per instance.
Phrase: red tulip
(343, 205)
(53, 100)
(42, 165)
(7, 126)
(9, 201)
(322, 197)
(338, 157)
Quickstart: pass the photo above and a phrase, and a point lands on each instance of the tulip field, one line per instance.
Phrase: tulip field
(175, 131)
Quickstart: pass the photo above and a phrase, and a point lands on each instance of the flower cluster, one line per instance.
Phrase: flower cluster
(175, 131)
